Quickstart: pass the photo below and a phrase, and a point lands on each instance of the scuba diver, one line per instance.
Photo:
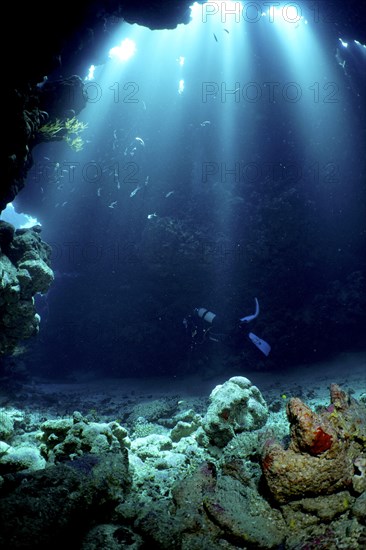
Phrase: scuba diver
(204, 325)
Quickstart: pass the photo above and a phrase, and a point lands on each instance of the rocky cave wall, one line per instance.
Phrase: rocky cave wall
(24, 271)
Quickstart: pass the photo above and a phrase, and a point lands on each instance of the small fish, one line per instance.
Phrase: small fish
(140, 141)
(99, 190)
(42, 190)
(226, 31)
(41, 84)
(118, 185)
(147, 180)
(169, 194)
(64, 203)
(215, 37)
(144, 105)
(113, 204)
(46, 158)
(205, 122)
(151, 216)
(133, 193)
(66, 171)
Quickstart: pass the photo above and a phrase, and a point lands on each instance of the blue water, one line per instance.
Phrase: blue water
(207, 198)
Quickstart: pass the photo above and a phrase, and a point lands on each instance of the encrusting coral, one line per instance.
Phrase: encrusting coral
(323, 453)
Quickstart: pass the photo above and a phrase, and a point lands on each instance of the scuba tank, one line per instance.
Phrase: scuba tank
(205, 314)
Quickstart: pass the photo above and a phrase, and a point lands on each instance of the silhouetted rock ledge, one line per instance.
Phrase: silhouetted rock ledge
(24, 271)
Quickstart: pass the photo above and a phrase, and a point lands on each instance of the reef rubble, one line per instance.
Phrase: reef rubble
(292, 478)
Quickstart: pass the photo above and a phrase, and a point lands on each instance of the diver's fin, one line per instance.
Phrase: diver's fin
(262, 345)
(251, 317)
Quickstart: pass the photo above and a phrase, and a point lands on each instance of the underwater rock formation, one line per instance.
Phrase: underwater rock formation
(69, 438)
(222, 508)
(210, 510)
(58, 504)
(235, 406)
(63, 98)
(113, 537)
(325, 454)
(32, 109)
(172, 490)
(25, 270)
